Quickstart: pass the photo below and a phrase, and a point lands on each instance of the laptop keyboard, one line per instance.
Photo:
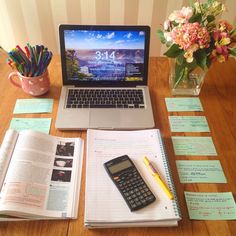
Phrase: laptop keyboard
(105, 98)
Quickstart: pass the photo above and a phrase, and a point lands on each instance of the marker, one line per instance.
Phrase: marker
(157, 177)
(27, 52)
(33, 62)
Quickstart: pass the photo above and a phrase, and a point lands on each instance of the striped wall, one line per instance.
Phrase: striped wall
(36, 21)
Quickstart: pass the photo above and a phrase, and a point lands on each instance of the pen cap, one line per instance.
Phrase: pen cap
(150, 166)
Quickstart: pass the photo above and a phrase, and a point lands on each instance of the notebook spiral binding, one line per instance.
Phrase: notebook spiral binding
(170, 181)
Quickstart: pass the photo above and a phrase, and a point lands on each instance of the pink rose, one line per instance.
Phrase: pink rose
(181, 16)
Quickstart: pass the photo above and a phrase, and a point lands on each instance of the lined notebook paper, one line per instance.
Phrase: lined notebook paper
(104, 205)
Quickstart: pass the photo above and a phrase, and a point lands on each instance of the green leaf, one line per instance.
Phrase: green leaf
(174, 51)
(168, 44)
(232, 31)
(210, 2)
(191, 66)
(179, 73)
(191, 3)
(180, 60)
(232, 51)
(201, 58)
(208, 62)
(160, 34)
(174, 23)
(196, 18)
(210, 18)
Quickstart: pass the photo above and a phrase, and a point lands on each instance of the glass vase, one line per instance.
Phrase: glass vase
(189, 83)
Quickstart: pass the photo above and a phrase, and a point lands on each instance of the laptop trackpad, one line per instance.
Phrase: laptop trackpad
(104, 119)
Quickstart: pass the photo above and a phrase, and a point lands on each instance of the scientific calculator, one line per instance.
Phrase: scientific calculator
(129, 182)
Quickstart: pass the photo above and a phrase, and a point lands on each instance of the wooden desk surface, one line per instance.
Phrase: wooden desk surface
(218, 98)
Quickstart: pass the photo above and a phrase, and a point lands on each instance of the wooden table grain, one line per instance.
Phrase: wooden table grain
(218, 97)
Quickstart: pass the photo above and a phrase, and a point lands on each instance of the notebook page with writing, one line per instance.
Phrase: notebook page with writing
(103, 202)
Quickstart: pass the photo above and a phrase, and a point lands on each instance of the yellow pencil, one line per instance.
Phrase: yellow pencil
(157, 177)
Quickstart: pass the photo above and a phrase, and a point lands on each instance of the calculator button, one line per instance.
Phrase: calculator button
(149, 198)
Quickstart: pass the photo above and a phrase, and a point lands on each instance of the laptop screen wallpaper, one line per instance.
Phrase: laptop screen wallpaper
(98, 55)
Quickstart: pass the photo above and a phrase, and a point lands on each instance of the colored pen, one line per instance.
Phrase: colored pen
(27, 52)
(157, 177)
(33, 62)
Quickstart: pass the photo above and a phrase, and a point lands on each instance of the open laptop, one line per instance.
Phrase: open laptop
(105, 72)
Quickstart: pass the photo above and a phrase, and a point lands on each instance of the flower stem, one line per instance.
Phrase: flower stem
(180, 78)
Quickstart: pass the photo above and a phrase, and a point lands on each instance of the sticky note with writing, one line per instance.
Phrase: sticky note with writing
(34, 105)
(183, 104)
(37, 124)
(211, 206)
(193, 146)
(188, 124)
(206, 171)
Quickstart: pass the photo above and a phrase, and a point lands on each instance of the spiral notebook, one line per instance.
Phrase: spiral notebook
(104, 205)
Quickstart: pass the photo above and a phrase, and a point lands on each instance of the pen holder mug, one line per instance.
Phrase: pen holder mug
(34, 86)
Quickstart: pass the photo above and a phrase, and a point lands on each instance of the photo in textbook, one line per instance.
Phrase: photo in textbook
(61, 175)
(62, 162)
(65, 148)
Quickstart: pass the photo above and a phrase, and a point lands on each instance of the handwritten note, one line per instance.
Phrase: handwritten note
(37, 124)
(188, 124)
(193, 146)
(183, 104)
(200, 171)
(35, 105)
(211, 206)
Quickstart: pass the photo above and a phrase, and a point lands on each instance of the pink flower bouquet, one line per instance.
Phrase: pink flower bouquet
(196, 39)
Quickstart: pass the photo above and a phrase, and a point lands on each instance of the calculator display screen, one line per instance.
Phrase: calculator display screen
(120, 166)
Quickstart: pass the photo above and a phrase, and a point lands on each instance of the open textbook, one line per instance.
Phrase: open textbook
(104, 205)
(39, 176)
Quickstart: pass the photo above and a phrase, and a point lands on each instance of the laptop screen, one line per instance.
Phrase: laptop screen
(106, 55)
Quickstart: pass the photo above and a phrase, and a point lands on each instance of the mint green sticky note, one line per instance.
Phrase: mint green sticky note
(193, 146)
(188, 124)
(34, 105)
(183, 104)
(211, 206)
(205, 171)
(37, 124)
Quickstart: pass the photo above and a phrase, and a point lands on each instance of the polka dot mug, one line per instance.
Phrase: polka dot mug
(34, 86)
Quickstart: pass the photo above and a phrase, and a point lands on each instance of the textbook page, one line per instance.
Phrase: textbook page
(6, 150)
(43, 178)
(103, 201)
